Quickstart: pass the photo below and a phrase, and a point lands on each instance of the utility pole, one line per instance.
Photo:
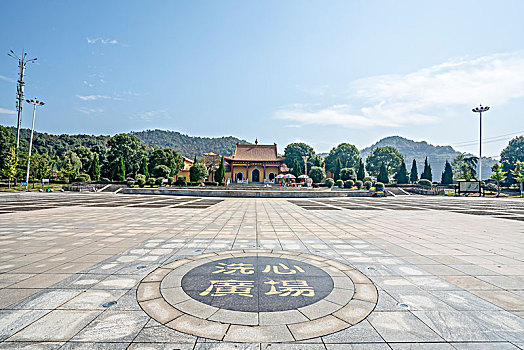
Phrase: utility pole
(479, 110)
(35, 103)
(20, 89)
(305, 158)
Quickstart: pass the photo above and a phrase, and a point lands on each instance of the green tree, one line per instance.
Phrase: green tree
(447, 175)
(168, 157)
(361, 173)
(120, 173)
(94, 168)
(402, 174)
(426, 173)
(348, 174)
(9, 169)
(317, 174)
(510, 155)
(127, 147)
(7, 140)
(144, 168)
(389, 156)
(198, 172)
(220, 173)
(518, 174)
(338, 167)
(498, 175)
(68, 170)
(383, 175)
(85, 155)
(295, 151)
(413, 175)
(348, 155)
(296, 168)
(161, 171)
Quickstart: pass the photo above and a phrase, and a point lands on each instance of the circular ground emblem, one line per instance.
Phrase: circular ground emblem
(257, 296)
(257, 284)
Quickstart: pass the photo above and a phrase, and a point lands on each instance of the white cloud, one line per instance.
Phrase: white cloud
(87, 83)
(420, 97)
(103, 41)
(89, 111)
(6, 111)
(151, 115)
(4, 78)
(93, 97)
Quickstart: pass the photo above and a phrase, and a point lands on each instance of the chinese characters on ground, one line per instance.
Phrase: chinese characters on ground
(243, 288)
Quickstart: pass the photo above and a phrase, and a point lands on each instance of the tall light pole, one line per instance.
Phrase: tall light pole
(35, 103)
(479, 110)
(20, 89)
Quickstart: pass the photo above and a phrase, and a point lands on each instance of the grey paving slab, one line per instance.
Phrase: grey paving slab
(117, 326)
(58, 325)
(402, 326)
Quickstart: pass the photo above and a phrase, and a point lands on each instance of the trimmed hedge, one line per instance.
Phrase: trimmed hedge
(348, 184)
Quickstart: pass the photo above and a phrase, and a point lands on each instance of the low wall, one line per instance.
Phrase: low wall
(245, 193)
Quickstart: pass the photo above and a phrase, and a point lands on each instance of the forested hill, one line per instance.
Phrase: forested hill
(437, 155)
(188, 146)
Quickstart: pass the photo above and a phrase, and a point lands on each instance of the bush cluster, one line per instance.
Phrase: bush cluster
(348, 184)
(424, 182)
(359, 184)
(339, 183)
(140, 180)
(379, 186)
(130, 183)
(367, 185)
(329, 182)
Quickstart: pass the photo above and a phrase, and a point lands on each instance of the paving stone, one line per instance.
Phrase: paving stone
(118, 326)
(402, 326)
(199, 327)
(58, 325)
(318, 327)
(260, 334)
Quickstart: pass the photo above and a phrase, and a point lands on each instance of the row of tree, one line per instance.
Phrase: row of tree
(384, 162)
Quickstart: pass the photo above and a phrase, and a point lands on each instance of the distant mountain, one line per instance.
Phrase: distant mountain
(188, 146)
(437, 155)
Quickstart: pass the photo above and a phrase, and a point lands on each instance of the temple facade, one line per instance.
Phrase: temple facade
(254, 164)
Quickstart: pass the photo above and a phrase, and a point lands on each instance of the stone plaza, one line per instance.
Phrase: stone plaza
(112, 271)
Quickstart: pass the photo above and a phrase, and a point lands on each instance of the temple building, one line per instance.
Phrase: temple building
(254, 163)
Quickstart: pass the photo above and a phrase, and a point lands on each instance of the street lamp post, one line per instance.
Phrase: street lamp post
(22, 62)
(479, 110)
(35, 103)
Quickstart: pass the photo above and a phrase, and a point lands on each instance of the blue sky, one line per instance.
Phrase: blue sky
(322, 72)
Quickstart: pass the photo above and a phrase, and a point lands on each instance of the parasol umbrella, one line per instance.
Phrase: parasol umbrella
(303, 177)
(289, 176)
(279, 176)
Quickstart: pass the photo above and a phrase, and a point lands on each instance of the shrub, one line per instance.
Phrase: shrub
(198, 172)
(181, 181)
(367, 185)
(348, 184)
(130, 183)
(329, 182)
(316, 185)
(379, 186)
(170, 180)
(210, 183)
(491, 187)
(159, 181)
(359, 184)
(140, 180)
(161, 171)
(193, 183)
(348, 174)
(424, 182)
(367, 178)
(317, 174)
(340, 183)
(83, 177)
(151, 181)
